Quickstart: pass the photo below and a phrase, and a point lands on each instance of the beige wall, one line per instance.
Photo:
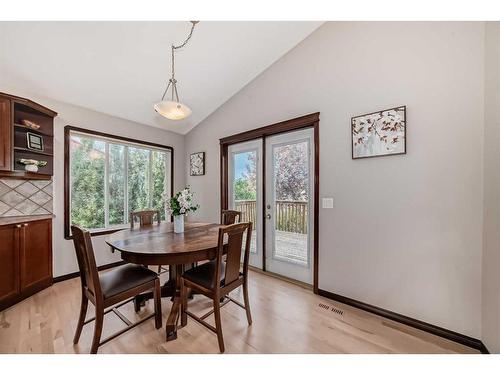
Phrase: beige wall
(406, 231)
(491, 254)
(64, 253)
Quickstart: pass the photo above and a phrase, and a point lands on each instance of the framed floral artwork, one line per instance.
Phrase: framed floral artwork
(197, 164)
(379, 133)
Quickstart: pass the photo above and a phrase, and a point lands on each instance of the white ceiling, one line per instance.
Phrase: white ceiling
(120, 68)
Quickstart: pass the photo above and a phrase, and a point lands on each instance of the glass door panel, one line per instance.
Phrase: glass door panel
(245, 190)
(289, 186)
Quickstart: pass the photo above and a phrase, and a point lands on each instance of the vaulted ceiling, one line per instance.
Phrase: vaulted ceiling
(121, 68)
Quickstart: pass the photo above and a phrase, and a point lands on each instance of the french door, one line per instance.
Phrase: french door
(286, 213)
(289, 203)
(245, 191)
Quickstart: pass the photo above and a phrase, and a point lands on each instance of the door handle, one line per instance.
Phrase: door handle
(268, 216)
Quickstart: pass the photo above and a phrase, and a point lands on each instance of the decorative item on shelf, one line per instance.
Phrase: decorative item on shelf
(30, 124)
(197, 164)
(379, 133)
(173, 109)
(31, 165)
(178, 206)
(34, 141)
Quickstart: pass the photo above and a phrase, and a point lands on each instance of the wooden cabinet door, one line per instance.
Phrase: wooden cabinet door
(5, 135)
(36, 254)
(9, 263)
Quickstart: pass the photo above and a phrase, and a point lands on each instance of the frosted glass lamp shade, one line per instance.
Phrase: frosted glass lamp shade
(172, 110)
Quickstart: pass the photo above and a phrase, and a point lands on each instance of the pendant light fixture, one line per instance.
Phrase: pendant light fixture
(173, 109)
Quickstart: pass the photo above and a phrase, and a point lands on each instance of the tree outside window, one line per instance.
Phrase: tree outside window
(111, 179)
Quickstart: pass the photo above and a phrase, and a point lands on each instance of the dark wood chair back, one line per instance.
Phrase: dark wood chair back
(234, 234)
(127, 282)
(86, 261)
(228, 217)
(146, 217)
(208, 279)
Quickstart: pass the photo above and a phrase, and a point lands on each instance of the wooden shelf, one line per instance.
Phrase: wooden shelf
(31, 130)
(14, 141)
(17, 174)
(33, 151)
(30, 105)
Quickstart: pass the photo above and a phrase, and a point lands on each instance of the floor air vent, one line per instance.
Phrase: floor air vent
(323, 306)
(337, 311)
(332, 309)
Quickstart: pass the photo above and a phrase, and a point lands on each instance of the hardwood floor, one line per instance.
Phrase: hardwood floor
(286, 319)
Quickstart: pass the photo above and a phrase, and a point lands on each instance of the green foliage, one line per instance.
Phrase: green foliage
(159, 181)
(244, 190)
(245, 187)
(87, 171)
(88, 187)
(116, 184)
(291, 183)
(138, 179)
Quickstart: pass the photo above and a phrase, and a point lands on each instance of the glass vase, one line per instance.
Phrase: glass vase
(179, 224)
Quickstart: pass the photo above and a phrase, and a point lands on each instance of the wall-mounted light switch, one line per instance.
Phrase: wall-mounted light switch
(327, 202)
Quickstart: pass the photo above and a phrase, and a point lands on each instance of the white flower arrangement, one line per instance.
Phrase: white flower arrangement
(181, 203)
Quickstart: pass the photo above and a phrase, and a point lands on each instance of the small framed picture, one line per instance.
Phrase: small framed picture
(197, 164)
(379, 133)
(35, 141)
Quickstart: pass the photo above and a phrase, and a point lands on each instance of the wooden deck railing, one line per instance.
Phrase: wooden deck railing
(291, 216)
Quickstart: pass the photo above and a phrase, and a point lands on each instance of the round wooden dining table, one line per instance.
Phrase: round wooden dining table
(157, 244)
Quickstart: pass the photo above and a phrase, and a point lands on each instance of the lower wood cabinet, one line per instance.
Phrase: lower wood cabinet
(25, 260)
(9, 264)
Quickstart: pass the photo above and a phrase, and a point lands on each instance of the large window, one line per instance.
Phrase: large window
(107, 177)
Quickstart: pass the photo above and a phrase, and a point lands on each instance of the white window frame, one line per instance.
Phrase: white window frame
(109, 139)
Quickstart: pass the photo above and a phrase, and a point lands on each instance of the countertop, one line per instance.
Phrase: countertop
(23, 219)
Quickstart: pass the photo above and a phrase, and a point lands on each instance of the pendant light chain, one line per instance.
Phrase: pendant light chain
(189, 36)
(172, 81)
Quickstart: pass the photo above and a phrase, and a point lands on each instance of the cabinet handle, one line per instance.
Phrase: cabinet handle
(25, 224)
(18, 226)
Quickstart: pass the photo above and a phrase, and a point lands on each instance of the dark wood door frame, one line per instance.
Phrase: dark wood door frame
(307, 121)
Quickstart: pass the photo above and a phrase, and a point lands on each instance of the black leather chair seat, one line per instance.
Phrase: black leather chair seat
(124, 278)
(204, 274)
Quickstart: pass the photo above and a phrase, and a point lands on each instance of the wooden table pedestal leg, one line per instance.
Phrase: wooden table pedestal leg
(173, 317)
(169, 289)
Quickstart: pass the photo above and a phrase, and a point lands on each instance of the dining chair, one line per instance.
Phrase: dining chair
(110, 290)
(146, 218)
(228, 217)
(216, 278)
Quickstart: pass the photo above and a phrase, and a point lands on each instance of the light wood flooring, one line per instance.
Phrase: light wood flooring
(287, 318)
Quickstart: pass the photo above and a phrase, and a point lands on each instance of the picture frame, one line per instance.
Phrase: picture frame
(34, 141)
(380, 133)
(197, 164)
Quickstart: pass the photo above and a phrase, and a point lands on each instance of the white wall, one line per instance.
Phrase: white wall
(491, 249)
(63, 251)
(406, 231)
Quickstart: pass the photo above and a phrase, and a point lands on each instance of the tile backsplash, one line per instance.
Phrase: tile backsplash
(25, 197)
